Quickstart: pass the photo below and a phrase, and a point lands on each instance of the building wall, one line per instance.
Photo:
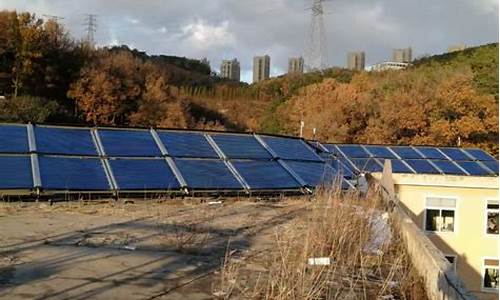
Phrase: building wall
(469, 241)
(230, 69)
(261, 68)
(356, 60)
(295, 65)
(402, 55)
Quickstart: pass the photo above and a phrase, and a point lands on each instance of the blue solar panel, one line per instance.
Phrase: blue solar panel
(353, 151)
(473, 168)
(431, 153)
(64, 141)
(13, 139)
(240, 146)
(380, 151)
(332, 149)
(406, 152)
(265, 175)
(130, 143)
(422, 166)
(187, 144)
(314, 173)
(15, 172)
(455, 153)
(287, 148)
(398, 166)
(367, 164)
(342, 167)
(66, 173)
(492, 165)
(448, 167)
(143, 174)
(479, 154)
(204, 174)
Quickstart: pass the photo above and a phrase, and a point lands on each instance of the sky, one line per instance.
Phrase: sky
(226, 29)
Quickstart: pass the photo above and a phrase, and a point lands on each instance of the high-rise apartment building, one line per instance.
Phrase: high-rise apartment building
(295, 65)
(261, 68)
(402, 55)
(230, 69)
(356, 60)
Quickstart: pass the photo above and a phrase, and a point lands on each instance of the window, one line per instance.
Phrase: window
(440, 214)
(453, 261)
(490, 274)
(492, 217)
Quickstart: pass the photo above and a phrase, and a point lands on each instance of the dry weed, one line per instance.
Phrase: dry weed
(338, 227)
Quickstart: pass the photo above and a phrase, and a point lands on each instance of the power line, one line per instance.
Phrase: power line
(315, 56)
(54, 18)
(90, 27)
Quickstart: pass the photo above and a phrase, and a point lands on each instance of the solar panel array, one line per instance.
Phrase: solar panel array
(75, 159)
(416, 159)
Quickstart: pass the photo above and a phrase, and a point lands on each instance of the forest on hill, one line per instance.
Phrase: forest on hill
(47, 76)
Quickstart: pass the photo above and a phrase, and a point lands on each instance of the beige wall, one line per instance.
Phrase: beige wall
(469, 241)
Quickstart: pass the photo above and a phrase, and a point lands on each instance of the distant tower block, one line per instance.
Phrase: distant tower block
(315, 52)
(402, 55)
(230, 69)
(356, 60)
(261, 68)
(295, 65)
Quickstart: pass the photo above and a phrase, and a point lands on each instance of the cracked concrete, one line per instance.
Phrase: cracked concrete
(145, 250)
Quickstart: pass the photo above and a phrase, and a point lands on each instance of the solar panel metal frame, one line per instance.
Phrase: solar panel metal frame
(300, 183)
(480, 154)
(109, 151)
(48, 189)
(291, 163)
(371, 148)
(487, 171)
(86, 152)
(342, 151)
(226, 149)
(121, 189)
(262, 139)
(449, 151)
(399, 151)
(193, 188)
(23, 149)
(172, 152)
(27, 188)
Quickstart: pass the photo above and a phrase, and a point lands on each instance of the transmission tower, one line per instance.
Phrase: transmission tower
(315, 55)
(90, 27)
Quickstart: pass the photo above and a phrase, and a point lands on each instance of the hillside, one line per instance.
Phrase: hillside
(447, 99)
(483, 61)
(47, 76)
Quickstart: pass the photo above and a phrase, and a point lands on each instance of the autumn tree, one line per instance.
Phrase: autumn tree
(109, 88)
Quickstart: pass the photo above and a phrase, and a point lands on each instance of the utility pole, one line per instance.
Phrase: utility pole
(90, 27)
(315, 51)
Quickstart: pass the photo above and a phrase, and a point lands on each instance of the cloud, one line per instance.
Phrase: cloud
(201, 35)
(220, 29)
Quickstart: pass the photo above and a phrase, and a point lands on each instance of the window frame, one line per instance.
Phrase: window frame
(455, 214)
(486, 211)
(483, 270)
